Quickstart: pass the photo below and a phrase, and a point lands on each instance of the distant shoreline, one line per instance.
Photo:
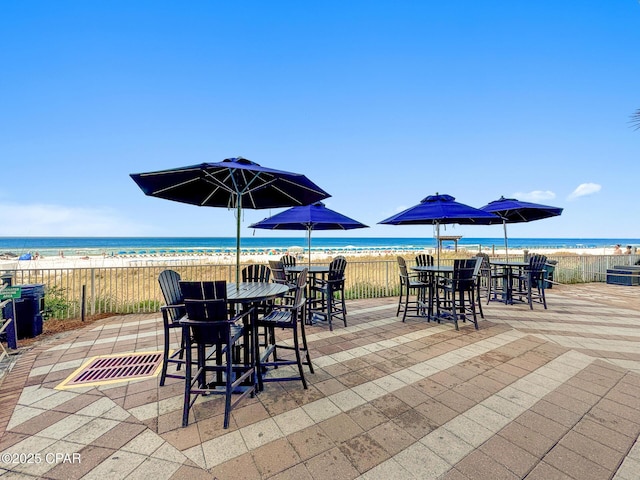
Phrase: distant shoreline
(317, 255)
(181, 246)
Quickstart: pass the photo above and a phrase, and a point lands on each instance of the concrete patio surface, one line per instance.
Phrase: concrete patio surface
(536, 394)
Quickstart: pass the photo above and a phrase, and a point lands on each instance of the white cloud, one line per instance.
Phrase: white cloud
(585, 189)
(60, 220)
(535, 196)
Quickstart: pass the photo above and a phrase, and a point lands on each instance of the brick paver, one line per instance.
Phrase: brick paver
(535, 394)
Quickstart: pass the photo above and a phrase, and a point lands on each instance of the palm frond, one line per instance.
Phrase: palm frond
(635, 120)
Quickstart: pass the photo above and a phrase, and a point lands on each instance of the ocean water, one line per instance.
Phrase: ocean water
(133, 245)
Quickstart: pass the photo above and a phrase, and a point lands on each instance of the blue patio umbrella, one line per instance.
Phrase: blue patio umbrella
(441, 210)
(309, 217)
(235, 183)
(511, 210)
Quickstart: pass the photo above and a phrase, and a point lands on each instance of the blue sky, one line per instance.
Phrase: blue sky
(381, 103)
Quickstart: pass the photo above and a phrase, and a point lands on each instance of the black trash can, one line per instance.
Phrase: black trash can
(28, 310)
(9, 334)
(549, 270)
(6, 279)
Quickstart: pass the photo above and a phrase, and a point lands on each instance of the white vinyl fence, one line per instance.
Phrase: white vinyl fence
(135, 289)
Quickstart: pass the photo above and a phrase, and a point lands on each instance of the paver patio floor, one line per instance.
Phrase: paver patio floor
(535, 394)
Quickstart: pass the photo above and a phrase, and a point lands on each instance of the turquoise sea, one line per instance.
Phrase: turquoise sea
(133, 245)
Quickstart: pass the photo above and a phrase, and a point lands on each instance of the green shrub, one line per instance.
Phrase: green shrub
(56, 304)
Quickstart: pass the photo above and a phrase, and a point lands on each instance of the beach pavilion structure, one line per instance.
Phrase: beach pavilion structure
(449, 238)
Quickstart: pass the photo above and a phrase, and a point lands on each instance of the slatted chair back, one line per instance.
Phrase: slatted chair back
(481, 277)
(464, 274)
(288, 260)
(404, 273)
(537, 262)
(256, 273)
(207, 302)
(424, 260)
(477, 267)
(213, 319)
(484, 268)
(335, 277)
(169, 281)
(278, 275)
(197, 290)
(300, 295)
(536, 270)
(484, 265)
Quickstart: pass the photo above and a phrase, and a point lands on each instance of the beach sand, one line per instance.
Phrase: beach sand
(107, 261)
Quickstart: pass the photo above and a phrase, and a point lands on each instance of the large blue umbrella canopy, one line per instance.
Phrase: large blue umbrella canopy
(511, 210)
(309, 217)
(233, 183)
(441, 210)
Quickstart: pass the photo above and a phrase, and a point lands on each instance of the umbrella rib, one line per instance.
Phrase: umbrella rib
(217, 184)
(285, 180)
(293, 199)
(171, 187)
(288, 196)
(169, 172)
(248, 190)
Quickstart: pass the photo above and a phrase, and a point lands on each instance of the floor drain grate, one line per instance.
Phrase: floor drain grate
(115, 368)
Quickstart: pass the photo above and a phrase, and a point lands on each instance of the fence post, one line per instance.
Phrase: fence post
(93, 291)
(387, 278)
(83, 300)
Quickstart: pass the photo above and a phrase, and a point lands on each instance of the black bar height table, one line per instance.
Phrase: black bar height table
(246, 294)
(510, 267)
(431, 270)
(315, 272)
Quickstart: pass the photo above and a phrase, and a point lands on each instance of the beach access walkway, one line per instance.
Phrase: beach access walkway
(536, 394)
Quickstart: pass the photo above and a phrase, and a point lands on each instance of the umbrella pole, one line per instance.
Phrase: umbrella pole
(506, 242)
(438, 241)
(309, 244)
(239, 206)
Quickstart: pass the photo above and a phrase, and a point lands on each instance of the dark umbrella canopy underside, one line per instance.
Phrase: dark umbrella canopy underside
(441, 210)
(511, 210)
(222, 184)
(315, 217)
(233, 183)
(309, 217)
(515, 211)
